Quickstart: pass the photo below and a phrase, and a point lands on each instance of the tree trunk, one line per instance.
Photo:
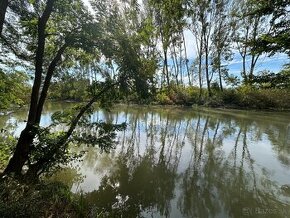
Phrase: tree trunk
(186, 60)
(21, 154)
(254, 58)
(244, 73)
(180, 64)
(47, 81)
(200, 75)
(175, 64)
(207, 67)
(220, 72)
(166, 67)
(200, 67)
(207, 73)
(220, 79)
(3, 8)
(39, 61)
(244, 56)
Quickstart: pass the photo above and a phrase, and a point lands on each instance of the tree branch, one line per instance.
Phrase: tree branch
(47, 81)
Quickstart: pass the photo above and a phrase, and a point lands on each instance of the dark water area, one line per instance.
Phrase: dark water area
(184, 162)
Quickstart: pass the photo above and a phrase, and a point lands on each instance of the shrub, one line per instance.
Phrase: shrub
(179, 95)
(264, 98)
(244, 97)
(230, 97)
(163, 99)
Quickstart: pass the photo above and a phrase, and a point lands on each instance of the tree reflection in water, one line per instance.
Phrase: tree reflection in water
(175, 162)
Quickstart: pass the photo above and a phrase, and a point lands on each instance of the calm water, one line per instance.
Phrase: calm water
(173, 162)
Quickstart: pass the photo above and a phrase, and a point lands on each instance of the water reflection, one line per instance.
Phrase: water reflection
(15, 122)
(188, 163)
(174, 162)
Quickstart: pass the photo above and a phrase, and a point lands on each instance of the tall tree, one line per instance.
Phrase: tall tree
(202, 14)
(61, 31)
(21, 153)
(169, 17)
(222, 38)
(55, 29)
(249, 27)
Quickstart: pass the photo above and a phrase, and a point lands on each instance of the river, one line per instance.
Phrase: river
(183, 162)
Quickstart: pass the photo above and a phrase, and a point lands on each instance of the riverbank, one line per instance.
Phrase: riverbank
(241, 98)
(244, 98)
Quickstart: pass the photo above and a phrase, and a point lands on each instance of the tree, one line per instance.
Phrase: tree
(222, 38)
(268, 80)
(169, 17)
(69, 86)
(60, 27)
(21, 153)
(59, 34)
(196, 12)
(206, 18)
(133, 49)
(249, 27)
(278, 38)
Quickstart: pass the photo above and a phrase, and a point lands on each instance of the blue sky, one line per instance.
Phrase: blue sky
(274, 63)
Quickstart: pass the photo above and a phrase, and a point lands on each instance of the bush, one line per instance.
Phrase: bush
(69, 88)
(179, 95)
(242, 97)
(163, 99)
(248, 97)
(262, 98)
(231, 97)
